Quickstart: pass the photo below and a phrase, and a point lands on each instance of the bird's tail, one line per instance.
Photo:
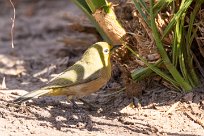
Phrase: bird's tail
(31, 95)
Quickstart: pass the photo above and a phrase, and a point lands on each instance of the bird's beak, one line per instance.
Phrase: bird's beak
(115, 47)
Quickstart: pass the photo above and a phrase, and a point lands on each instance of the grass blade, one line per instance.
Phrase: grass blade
(176, 17)
(160, 5)
(95, 4)
(176, 75)
(137, 5)
(156, 70)
(142, 73)
(85, 8)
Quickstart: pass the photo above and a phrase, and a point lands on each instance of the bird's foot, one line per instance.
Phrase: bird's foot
(90, 106)
(87, 104)
(74, 104)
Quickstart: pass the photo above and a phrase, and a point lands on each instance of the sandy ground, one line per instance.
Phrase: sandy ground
(39, 54)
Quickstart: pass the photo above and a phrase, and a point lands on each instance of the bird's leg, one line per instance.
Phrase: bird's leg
(71, 100)
(90, 106)
(75, 106)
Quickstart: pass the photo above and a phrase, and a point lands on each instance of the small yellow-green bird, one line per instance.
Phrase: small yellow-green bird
(86, 76)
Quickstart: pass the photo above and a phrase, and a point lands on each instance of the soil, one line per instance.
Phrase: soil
(48, 38)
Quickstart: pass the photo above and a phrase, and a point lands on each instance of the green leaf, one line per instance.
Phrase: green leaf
(160, 5)
(144, 6)
(156, 70)
(137, 5)
(177, 16)
(140, 74)
(174, 72)
(96, 4)
(85, 8)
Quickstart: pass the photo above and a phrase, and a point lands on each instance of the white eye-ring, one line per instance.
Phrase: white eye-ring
(106, 51)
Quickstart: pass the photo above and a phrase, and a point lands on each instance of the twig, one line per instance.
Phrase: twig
(172, 107)
(13, 23)
(194, 118)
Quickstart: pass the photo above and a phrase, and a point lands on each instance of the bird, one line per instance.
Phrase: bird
(84, 77)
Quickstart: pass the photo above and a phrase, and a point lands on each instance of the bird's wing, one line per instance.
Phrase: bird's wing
(72, 76)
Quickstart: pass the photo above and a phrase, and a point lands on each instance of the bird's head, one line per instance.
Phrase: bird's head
(99, 53)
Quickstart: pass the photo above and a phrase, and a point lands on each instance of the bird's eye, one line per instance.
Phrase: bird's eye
(106, 51)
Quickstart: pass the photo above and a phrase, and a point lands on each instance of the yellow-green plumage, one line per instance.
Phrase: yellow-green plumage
(83, 78)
